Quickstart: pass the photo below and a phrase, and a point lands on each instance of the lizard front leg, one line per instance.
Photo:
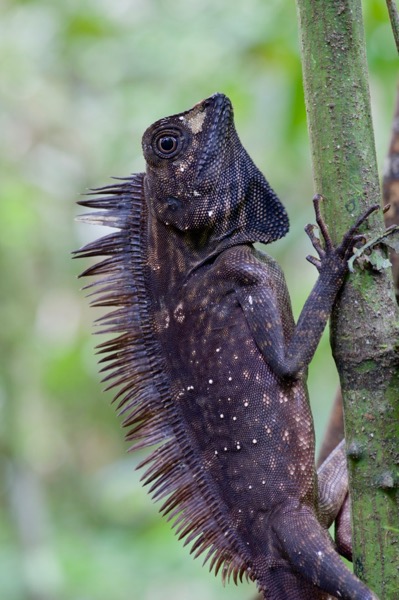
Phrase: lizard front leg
(288, 358)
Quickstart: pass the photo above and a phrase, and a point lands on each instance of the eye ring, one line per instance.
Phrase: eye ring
(167, 143)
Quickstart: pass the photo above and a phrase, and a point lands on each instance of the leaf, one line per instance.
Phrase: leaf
(378, 262)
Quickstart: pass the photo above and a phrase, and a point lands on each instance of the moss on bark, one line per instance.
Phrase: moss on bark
(365, 320)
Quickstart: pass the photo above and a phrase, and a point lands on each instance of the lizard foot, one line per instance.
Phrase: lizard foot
(345, 249)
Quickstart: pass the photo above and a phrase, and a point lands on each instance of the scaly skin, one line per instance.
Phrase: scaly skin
(211, 363)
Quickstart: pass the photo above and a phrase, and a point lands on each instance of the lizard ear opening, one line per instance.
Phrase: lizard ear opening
(265, 217)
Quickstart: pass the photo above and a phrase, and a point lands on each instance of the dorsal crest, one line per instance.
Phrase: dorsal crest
(133, 362)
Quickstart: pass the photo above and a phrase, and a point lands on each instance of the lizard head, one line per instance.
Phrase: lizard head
(199, 177)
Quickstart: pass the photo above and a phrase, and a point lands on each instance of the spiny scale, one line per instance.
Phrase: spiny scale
(135, 364)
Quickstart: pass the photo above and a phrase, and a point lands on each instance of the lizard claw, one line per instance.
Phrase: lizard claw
(321, 223)
(309, 229)
(350, 239)
(314, 261)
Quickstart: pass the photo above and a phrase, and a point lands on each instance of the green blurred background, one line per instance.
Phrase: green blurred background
(80, 80)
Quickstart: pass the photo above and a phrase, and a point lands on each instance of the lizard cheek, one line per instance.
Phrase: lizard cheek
(172, 211)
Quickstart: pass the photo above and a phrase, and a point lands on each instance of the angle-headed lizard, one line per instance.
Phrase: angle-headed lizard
(210, 364)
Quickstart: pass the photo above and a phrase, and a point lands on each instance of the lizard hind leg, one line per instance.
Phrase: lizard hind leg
(310, 566)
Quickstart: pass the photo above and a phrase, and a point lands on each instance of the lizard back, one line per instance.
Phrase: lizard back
(135, 363)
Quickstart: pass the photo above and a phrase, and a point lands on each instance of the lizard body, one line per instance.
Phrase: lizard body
(211, 365)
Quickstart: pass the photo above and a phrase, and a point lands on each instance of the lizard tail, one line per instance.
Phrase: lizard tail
(306, 547)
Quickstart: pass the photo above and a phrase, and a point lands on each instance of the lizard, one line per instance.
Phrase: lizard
(208, 361)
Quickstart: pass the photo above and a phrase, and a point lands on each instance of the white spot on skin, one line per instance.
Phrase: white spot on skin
(216, 452)
(196, 121)
(250, 300)
(218, 349)
(320, 553)
(250, 487)
(221, 415)
(181, 118)
(263, 482)
(245, 404)
(225, 449)
(234, 418)
(211, 381)
(229, 378)
(210, 213)
(282, 398)
(254, 441)
(196, 193)
(178, 313)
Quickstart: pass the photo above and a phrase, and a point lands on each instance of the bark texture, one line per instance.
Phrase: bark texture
(365, 321)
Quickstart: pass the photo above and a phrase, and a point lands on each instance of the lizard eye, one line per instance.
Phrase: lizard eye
(167, 144)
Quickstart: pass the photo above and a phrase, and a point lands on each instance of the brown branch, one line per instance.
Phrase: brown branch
(390, 186)
(394, 17)
(335, 429)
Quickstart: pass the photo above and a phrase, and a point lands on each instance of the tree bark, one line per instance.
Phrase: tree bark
(364, 331)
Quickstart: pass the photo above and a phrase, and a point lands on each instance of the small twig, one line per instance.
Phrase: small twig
(394, 17)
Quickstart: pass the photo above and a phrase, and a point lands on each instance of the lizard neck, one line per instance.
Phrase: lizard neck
(174, 255)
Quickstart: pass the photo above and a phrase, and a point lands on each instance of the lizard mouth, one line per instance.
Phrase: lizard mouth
(220, 117)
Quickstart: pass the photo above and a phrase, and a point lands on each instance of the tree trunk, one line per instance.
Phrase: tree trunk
(365, 320)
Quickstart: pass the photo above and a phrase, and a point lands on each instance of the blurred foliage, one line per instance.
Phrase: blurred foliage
(80, 81)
